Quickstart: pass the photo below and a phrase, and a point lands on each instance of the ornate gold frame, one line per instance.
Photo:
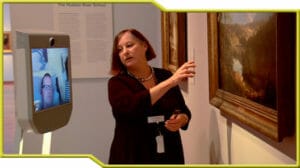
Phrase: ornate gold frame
(273, 123)
(173, 40)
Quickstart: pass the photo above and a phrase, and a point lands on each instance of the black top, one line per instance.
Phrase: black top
(134, 139)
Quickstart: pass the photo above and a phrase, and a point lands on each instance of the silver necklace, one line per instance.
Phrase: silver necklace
(142, 80)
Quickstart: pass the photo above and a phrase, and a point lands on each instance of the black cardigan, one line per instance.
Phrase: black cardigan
(134, 138)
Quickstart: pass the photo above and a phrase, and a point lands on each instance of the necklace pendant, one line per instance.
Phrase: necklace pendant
(142, 80)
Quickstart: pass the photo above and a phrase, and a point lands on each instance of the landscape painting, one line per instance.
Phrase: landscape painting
(247, 51)
(252, 70)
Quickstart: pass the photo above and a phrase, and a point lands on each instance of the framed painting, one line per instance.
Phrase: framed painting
(252, 70)
(173, 40)
(7, 42)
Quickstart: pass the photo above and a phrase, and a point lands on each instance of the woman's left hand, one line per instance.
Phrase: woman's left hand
(176, 121)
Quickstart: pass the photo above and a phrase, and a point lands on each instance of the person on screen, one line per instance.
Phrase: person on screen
(47, 91)
(147, 104)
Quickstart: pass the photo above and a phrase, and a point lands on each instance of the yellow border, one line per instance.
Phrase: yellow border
(1, 86)
(162, 8)
(298, 89)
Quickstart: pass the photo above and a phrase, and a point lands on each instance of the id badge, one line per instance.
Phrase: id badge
(160, 144)
(156, 119)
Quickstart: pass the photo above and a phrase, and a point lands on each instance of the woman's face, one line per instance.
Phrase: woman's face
(132, 51)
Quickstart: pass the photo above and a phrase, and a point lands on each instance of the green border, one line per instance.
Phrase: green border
(162, 8)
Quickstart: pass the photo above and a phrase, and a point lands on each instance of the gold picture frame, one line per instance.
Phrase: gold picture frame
(7, 42)
(232, 83)
(173, 39)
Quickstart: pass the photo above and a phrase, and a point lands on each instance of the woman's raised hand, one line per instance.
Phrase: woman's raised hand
(182, 73)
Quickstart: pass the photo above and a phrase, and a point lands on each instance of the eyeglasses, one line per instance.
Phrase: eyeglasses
(47, 87)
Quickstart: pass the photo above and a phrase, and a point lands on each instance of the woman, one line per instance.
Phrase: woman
(146, 103)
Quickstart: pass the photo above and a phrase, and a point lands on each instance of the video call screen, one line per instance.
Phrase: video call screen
(51, 83)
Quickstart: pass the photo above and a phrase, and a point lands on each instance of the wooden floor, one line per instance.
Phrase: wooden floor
(9, 118)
